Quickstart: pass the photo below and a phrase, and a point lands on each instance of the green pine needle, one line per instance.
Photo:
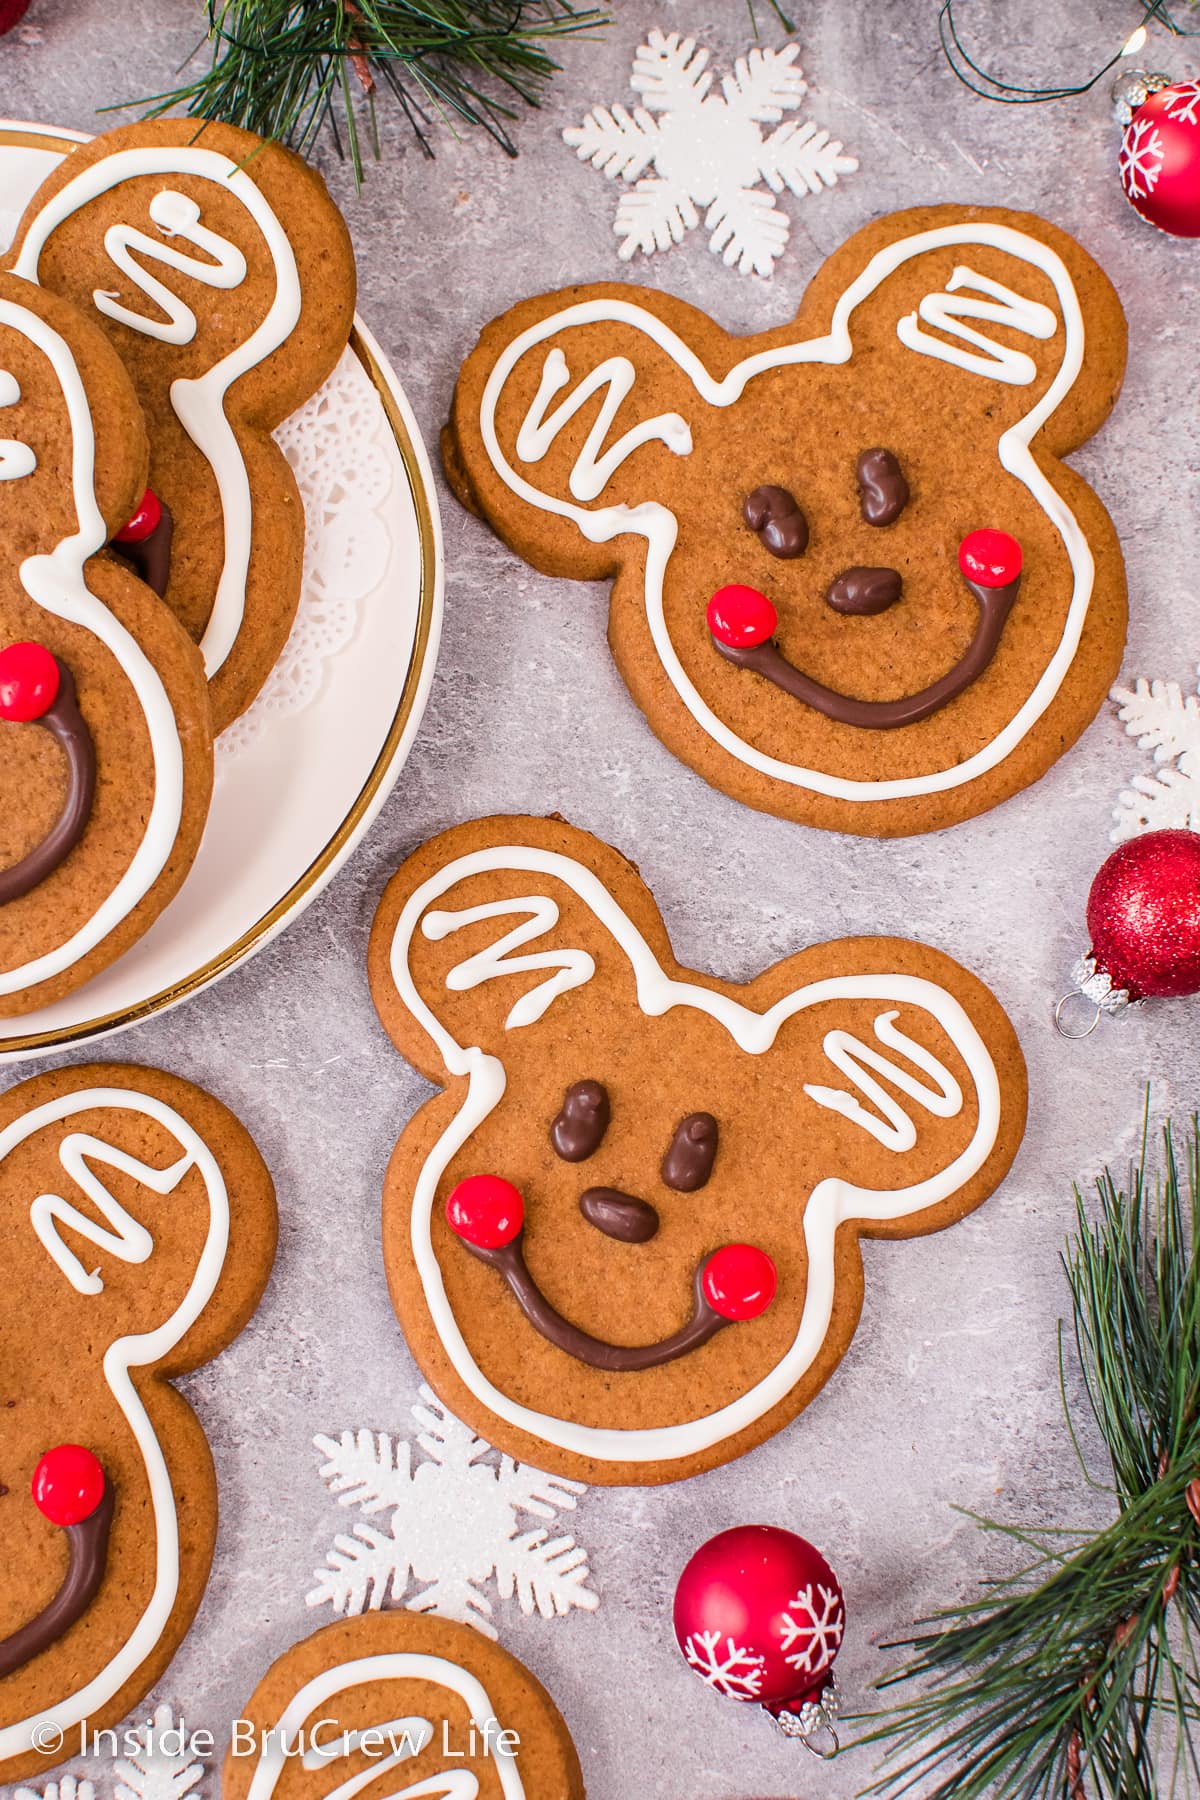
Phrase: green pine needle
(287, 68)
(1076, 1678)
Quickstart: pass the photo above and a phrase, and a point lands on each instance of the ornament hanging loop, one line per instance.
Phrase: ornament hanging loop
(812, 1721)
(1069, 1005)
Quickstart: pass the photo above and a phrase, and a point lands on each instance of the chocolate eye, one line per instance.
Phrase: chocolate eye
(691, 1154)
(883, 490)
(773, 513)
(579, 1128)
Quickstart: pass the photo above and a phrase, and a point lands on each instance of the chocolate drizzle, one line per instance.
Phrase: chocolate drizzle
(691, 1153)
(883, 491)
(618, 1215)
(509, 1261)
(865, 591)
(88, 1557)
(995, 604)
(772, 512)
(150, 557)
(578, 1131)
(66, 724)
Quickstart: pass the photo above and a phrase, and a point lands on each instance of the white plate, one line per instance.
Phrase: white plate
(300, 778)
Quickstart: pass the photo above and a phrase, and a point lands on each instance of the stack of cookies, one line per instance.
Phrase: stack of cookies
(172, 295)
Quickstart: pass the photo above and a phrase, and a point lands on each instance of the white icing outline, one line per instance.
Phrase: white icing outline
(57, 583)
(833, 1200)
(199, 402)
(16, 459)
(136, 1351)
(395, 1665)
(659, 526)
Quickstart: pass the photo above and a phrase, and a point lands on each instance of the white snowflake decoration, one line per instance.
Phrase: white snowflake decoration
(162, 1768)
(734, 1671)
(1142, 156)
(810, 1641)
(1167, 721)
(453, 1527)
(707, 151)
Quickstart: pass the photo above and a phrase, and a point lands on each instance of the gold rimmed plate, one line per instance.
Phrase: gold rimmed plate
(299, 790)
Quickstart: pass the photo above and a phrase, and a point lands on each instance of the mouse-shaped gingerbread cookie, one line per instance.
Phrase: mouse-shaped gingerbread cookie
(105, 733)
(853, 582)
(222, 273)
(623, 1242)
(427, 1705)
(138, 1223)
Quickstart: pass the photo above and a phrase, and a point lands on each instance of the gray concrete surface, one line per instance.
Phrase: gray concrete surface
(949, 1394)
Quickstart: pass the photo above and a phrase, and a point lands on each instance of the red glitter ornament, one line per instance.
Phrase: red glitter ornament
(29, 682)
(1143, 917)
(11, 13)
(760, 1615)
(741, 617)
(68, 1484)
(1160, 159)
(739, 1281)
(992, 558)
(486, 1210)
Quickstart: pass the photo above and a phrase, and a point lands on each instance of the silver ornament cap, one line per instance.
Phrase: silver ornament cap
(1132, 88)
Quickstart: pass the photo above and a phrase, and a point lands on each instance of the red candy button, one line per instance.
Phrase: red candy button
(739, 1281)
(68, 1484)
(992, 558)
(29, 682)
(741, 617)
(486, 1210)
(144, 521)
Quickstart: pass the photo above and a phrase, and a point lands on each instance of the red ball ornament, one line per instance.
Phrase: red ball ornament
(486, 1210)
(739, 1281)
(992, 558)
(29, 682)
(741, 617)
(144, 522)
(760, 1616)
(1160, 159)
(11, 13)
(1143, 917)
(68, 1484)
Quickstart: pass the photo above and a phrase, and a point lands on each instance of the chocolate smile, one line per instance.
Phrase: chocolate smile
(736, 1282)
(742, 623)
(36, 688)
(61, 1495)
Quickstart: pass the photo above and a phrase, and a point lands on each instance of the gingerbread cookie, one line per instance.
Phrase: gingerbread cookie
(222, 272)
(623, 1241)
(853, 584)
(431, 1706)
(105, 734)
(139, 1230)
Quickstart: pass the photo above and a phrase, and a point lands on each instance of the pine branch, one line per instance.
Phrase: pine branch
(287, 68)
(1065, 1678)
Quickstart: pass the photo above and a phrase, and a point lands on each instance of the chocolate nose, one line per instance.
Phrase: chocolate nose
(865, 590)
(619, 1215)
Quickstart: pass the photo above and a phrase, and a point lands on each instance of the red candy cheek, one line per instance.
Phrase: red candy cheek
(68, 1484)
(29, 682)
(739, 1281)
(486, 1211)
(741, 617)
(144, 521)
(992, 558)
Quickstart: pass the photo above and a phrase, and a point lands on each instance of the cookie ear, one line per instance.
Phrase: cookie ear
(992, 311)
(908, 1087)
(476, 943)
(583, 404)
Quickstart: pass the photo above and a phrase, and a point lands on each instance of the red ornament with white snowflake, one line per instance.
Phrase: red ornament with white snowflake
(1160, 159)
(1143, 917)
(760, 1616)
